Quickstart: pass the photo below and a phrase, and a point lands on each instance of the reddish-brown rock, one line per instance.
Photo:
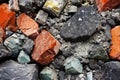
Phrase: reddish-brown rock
(115, 47)
(27, 25)
(46, 48)
(2, 35)
(104, 5)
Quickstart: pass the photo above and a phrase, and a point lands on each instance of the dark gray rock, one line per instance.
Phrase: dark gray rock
(82, 25)
(76, 2)
(11, 70)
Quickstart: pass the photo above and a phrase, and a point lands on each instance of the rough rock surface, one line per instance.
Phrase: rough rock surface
(19, 71)
(83, 24)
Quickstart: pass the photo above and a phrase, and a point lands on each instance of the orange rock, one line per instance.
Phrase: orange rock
(115, 47)
(104, 5)
(45, 49)
(2, 35)
(27, 25)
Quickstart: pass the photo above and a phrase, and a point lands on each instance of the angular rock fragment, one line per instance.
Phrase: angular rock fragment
(54, 6)
(46, 48)
(23, 57)
(48, 74)
(73, 9)
(82, 25)
(41, 17)
(73, 65)
(11, 70)
(27, 25)
(13, 5)
(104, 5)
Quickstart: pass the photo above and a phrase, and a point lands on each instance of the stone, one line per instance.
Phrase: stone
(54, 7)
(11, 70)
(46, 48)
(73, 65)
(41, 17)
(98, 52)
(82, 25)
(73, 9)
(14, 43)
(48, 74)
(111, 70)
(4, 52)
(2, 35)
(93, 64)
(13, 5)
(23, 57)
(104, 5)
(89, 76)
(30, 29)
(76, 2)
(61, 75)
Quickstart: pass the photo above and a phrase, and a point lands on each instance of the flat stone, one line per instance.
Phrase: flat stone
(13, 5)
(48, 74)
(82, 25)
(46, 48)
(73, 65)
(23, 57)
(11, 70)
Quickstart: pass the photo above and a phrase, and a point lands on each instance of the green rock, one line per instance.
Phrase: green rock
(73, 65)
(48, 74)
(23, 57)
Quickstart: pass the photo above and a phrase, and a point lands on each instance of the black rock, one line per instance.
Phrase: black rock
(82, 25)
(11, 70)
(111, 71)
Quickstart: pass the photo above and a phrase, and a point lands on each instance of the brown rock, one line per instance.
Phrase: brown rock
(45, 49)
(27, 25)
(104, 5)
(2, 35)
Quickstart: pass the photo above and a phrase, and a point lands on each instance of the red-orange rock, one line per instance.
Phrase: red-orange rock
(45, 49)
(104, 5)
(27, 25)
(2, 35)
(115, 47)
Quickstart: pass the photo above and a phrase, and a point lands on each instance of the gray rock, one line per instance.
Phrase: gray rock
(61, 75)
(13, 5)
(11, 70)
(72, 9)
(82, 25)
(76, 2)
(89, 76)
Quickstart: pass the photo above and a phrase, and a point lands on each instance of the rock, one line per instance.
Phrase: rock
(2, 35)
(23, 57)
(14, 43)
(30, 29)
(104, 5)
(11, 70)
(61, 75)
(76, 2)
(4, 52)
(93, 64)
(89, 76)
(41, 17)
(111, 71)
(98, 52)
(82, 25)
(46, 48)
(73, 65)
(73, 9)
(8, 33)
(13, 5)
(55, 7)
(48, 74)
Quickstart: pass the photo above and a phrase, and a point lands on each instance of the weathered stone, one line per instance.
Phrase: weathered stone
(46, 48)
(11, 70)
(104, 5)
(73, 65)
(54, 6)
(13, 5)
(41, 17)
(23, 57)
(48, 74)
(82, 25)
(72, 9)
(30, 29)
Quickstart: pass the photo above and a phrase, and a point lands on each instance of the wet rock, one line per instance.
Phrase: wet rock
(23, 57)
(30, 29)
(73, 65)
(48, 74)
(46, 48)
(89, 76)
(10, 70)
(82, 25)
(111, 70)
(41, 17)
(13, 5)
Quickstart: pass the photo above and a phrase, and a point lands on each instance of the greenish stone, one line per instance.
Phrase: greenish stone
(23, 57)
(48, 74)
(73, 65)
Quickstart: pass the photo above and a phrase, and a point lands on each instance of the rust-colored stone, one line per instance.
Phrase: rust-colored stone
(45, 49)
(104, 5)
(27, 25)
(115, 47)
(2, 35)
